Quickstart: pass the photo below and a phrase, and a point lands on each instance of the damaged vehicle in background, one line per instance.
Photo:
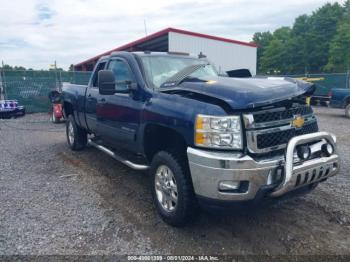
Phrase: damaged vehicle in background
(10, 108)
(205, 140)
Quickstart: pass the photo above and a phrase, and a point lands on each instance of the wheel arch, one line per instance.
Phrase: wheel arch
(67, 109)
(157, 137)
(346, 101)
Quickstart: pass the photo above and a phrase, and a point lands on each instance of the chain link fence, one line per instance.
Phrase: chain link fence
(31, 88)
(326, 82)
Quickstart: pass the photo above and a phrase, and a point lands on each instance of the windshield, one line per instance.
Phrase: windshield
(160, 68)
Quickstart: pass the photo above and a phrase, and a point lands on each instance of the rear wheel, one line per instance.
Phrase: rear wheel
(76, 136)
(347, 111)
(172, 189)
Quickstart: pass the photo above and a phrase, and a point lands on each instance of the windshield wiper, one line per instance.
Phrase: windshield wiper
(182, 75)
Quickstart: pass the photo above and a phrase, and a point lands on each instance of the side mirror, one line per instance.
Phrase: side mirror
(106, 82)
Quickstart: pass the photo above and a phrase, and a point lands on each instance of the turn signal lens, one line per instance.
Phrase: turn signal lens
(200, 138)
(199, 123)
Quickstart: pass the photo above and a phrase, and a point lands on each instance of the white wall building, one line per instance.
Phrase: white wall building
(226, 54)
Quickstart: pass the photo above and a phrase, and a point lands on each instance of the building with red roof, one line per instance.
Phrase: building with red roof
(226, 54)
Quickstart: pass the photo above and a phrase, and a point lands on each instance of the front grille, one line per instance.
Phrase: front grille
(280, 115)
(282, 137)
(271, 129)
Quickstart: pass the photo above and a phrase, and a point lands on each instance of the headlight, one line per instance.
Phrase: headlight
(218, 132)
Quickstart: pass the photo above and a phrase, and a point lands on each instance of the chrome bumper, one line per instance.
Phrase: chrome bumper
(209, 168)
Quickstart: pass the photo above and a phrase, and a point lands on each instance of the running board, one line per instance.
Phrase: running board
(116, 157)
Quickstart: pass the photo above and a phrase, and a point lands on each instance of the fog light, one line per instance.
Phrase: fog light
(229, 185)
(327, 149)
(304, 152)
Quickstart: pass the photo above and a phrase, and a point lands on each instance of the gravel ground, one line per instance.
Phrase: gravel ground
(55, 201)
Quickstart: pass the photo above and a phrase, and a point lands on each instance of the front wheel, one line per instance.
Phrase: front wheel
(172, 189)
(347, 111)
(76, 136)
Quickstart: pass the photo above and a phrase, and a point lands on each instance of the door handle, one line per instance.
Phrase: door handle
(89, 95)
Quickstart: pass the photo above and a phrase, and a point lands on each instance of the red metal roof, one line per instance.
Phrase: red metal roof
(163, 32)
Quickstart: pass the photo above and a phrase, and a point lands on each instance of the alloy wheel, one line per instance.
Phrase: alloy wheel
(166, 188)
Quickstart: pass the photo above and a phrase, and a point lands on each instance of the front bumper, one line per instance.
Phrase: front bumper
(281, 174)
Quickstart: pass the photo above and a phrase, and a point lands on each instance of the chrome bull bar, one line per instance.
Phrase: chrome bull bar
(292, 174)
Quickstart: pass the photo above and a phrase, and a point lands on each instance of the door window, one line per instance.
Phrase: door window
(122, 74)
(99, 67)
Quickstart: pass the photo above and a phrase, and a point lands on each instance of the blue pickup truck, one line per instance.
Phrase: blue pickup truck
(340, 98)
(206, 140)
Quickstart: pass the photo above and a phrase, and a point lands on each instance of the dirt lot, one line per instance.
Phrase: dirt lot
(55, 201)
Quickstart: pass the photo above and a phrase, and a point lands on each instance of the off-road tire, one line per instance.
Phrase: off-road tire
(186, 208)
(80, 136)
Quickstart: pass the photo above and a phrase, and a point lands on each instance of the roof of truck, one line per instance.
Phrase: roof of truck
(149, 53)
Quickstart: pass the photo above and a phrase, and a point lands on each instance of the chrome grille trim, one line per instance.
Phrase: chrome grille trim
(250, 123)
(254, 129)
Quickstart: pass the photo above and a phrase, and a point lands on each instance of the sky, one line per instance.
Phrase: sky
(35, 33)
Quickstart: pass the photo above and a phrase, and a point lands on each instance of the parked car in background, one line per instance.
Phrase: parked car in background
(10, 108)
(205, 139)
(340, 98)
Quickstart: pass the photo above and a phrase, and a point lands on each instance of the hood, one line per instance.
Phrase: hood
(243, 93)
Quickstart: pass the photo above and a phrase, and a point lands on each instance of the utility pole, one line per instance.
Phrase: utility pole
(2, 82)
(305, 71)
(144, 23)
(347, 81)
(55, 68)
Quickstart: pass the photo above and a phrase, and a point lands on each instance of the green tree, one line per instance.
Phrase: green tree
(262, 39)
(305, 47)
(275, 57)
(339, 53)
(8, 68)
(298, 45)
(19, 68)
(323, 24)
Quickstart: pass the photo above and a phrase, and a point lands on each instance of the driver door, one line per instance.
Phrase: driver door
(119, 114)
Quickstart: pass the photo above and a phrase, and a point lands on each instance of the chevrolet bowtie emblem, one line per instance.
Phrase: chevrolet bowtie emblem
(298, 121)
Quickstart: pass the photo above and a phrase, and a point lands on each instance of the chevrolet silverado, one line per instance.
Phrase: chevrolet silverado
(206, 140)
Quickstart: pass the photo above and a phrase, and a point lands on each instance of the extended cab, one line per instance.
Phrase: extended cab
(205, 139)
